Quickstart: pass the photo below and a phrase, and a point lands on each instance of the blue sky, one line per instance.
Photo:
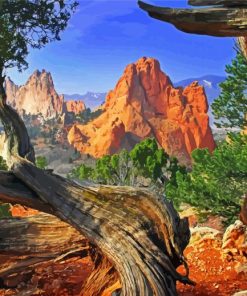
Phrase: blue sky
(106, 35)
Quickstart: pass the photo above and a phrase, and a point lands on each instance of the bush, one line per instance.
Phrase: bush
(41, 162)
(217, 181)
(145, 161)
(5, 210)
(3, 164)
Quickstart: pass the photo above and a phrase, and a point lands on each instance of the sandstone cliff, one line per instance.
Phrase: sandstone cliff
(75, 107)
(144, 104)
(38, 96)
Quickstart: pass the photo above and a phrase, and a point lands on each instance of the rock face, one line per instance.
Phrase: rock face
(235, 239)
(38, 96)
(75, 107)
(145, 104)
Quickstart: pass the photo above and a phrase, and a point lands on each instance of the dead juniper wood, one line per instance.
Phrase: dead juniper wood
(222, 20)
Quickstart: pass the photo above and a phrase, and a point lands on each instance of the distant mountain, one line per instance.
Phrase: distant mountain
(37, 96)
(210, 83)
(91, 99)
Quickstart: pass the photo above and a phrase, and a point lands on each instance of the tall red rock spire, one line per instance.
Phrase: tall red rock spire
(145, 104)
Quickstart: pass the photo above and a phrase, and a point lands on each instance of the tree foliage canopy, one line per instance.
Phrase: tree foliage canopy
(30, 23)
(217, 181)
(146, 160)
(230, 108)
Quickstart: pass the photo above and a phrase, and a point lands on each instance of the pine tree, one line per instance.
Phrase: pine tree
(230, 108)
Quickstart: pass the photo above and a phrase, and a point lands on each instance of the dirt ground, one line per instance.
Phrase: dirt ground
(214, 274)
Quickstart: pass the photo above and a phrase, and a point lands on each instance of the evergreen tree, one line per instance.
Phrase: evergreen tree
(230, 108)
(217, 181)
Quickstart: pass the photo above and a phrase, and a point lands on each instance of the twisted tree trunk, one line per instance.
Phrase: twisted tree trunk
(138, 237)
(140, 234)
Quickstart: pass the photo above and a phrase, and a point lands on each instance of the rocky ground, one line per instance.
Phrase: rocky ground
(217, 259)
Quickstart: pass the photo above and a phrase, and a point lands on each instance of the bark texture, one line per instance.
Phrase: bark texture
(214, 20)
(227, 3)
(27, 242)
(242, 41)
(138, 235)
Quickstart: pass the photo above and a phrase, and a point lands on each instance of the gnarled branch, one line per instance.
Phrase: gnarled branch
(227, 3)
(214, 21)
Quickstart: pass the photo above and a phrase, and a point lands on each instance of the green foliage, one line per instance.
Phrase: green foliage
(41, 162)
(4, 210)
(145, 160)
(148, 159)
(82, 172)
(88, 115)
(30, 23)
(113, 169)
(217, 181)
(230, 108)
(3, 165)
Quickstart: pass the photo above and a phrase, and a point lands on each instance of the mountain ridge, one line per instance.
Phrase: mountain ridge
(212, 90)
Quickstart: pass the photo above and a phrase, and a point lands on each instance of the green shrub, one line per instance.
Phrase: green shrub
(4, 210)
(217, 181)
(41, 162)
(3, 164)
(145, 160)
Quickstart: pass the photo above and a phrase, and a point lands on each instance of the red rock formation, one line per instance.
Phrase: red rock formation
(75, 106)
(145, 104)
(21, 211)
(37, 96)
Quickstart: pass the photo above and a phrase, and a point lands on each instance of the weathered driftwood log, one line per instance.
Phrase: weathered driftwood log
(227, 3)
(140, 233)
(38, 235)
(214, 21)
(27, 242)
